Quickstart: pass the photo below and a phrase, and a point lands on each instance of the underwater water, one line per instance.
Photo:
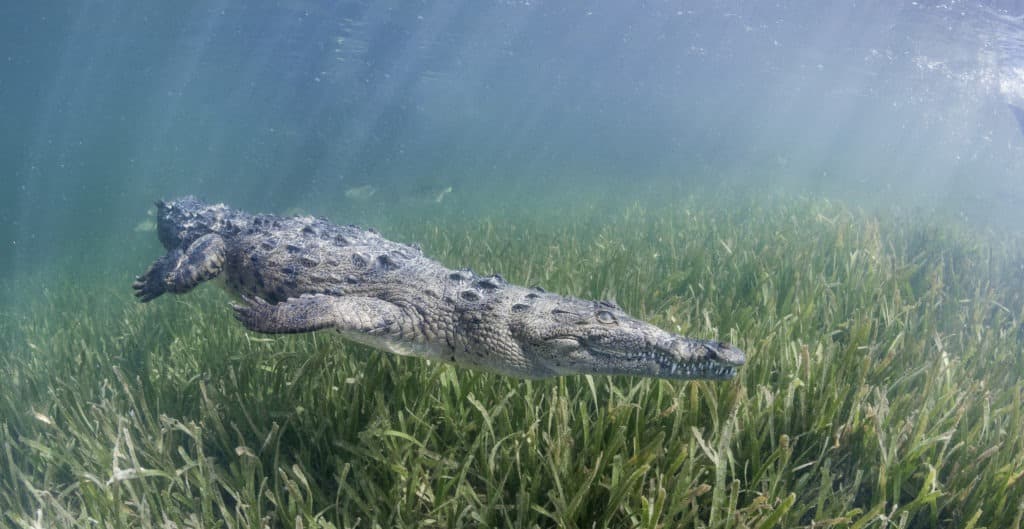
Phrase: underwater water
(836, 188)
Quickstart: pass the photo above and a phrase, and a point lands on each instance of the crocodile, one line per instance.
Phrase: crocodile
(301, 274)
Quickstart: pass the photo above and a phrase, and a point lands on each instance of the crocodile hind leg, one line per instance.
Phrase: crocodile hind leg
(181, 270)
(351, 315)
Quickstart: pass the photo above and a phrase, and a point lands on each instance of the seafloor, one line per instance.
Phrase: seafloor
(882, 389)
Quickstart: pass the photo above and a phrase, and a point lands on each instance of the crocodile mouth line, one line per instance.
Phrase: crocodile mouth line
(667, 365)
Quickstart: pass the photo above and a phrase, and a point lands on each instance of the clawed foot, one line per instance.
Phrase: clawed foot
(149, 285)
(309, 312)
(253, 312)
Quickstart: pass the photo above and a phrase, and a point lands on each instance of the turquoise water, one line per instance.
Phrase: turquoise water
(276, 105)
(581, 144)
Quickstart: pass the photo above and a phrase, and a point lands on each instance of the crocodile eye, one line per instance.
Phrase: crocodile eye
(604, 316)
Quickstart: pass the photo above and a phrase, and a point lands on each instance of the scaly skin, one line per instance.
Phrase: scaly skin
(303, 274)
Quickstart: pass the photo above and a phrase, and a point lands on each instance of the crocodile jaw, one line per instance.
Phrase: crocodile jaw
(675, 358)
(567, 336)
(679, 358)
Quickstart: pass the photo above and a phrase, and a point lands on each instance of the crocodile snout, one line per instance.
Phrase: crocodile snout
(726, 353)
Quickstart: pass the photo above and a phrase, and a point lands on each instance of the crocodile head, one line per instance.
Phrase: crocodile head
(572, 336)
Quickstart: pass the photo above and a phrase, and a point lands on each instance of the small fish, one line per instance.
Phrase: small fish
(426, 195)
(42, 418)
(363, 192)
(149, 223)
(444, 192)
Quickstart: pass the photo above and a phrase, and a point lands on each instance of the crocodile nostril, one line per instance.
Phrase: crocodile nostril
(726, 353)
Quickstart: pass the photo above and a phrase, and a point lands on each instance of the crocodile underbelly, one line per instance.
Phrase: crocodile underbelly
(399, 347)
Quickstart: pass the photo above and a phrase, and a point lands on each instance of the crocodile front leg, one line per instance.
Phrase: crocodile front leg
(181, 270)
(352, 315)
